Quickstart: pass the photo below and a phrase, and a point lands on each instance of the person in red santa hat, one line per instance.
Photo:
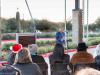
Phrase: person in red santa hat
(15, 48)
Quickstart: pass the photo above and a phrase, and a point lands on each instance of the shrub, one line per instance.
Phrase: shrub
(8, 37)
(4, 56)
(71, 46)
(6, 46)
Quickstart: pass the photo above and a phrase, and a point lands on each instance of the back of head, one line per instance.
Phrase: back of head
(82, 46)
(23, 56)
(58, 53)
(33, 48)
(7, 70)
(88, 71)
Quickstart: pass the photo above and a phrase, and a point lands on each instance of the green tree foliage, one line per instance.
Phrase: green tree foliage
(3, 25)
(18, 22)
(11, 25)
(96, 25)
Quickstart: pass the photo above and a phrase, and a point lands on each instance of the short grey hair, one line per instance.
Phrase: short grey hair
(33, 48)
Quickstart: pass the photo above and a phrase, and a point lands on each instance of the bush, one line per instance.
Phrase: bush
(71, 46)
(46, 49)
(46, 42)
(8, 37)
(93, 42)
(4, 56)
(46, 35)
(6, 46)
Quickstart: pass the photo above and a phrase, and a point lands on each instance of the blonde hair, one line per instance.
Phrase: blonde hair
(88, 71)
(23, 56)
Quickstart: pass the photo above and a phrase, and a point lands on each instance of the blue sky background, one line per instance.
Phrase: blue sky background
(52, 10)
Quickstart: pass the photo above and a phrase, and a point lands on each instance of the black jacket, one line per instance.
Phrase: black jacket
(97, 60)
(37, 59)
(28, 69)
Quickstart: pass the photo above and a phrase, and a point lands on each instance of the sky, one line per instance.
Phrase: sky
(52, 10)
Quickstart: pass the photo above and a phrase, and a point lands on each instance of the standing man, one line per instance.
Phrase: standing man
(60, 36)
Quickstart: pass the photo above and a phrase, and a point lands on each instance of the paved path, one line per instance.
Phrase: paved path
(92, 51)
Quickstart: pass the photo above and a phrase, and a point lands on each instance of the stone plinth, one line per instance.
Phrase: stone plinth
(77, 26)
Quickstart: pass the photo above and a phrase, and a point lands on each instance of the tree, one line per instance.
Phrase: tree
(18, 22)
(11, 25)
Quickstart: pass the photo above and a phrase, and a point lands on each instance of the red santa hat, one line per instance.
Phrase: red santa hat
(16, 47)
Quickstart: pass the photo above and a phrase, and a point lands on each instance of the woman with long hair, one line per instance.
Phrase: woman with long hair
(24, 62)
(59, 60)
(58, 55)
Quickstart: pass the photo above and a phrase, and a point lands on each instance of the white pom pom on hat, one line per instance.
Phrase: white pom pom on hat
(16, 47)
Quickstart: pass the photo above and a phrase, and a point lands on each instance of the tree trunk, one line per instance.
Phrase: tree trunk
(0, 33)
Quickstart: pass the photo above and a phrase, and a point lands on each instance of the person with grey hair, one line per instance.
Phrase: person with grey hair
(97, 58)
(24, 62)
(34, 54)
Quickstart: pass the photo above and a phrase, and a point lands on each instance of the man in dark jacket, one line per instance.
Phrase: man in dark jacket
(60, 36)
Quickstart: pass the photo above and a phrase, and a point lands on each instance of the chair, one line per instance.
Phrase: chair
(60, 68)
(44, 68)
(79, 66)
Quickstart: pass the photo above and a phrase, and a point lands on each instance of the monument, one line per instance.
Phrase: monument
(77, 23)
(25, 39)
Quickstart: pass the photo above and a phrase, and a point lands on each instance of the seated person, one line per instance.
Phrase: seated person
(58, 56)
(15, 48)
(82, 56)
(39, 60)
(7, 70)
(97, 58)
(88, 71)
(34, 54)
(24, 62)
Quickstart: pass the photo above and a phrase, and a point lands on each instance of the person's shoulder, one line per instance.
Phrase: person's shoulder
(58, 32)
(66, 55)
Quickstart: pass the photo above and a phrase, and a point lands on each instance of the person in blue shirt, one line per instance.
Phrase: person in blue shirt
(60, 36)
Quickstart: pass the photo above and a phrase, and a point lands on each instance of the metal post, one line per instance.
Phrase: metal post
(77, 4)
(87, 17)
(65, 19)
(83, 17)
(31, 16)
(65, 26)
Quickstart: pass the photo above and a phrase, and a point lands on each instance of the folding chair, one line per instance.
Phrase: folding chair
(60, 68)
(43, 68)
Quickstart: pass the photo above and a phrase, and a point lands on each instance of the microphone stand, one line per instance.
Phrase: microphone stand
(67, 42)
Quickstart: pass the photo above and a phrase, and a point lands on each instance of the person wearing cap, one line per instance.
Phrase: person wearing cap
(82, 56)
(60, 36)
(15, 48)
(23, 61)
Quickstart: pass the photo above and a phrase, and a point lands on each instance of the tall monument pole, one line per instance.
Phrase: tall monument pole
(77, 23)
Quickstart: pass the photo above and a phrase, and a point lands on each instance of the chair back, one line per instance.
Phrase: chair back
(43, 68)
(60, 69)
